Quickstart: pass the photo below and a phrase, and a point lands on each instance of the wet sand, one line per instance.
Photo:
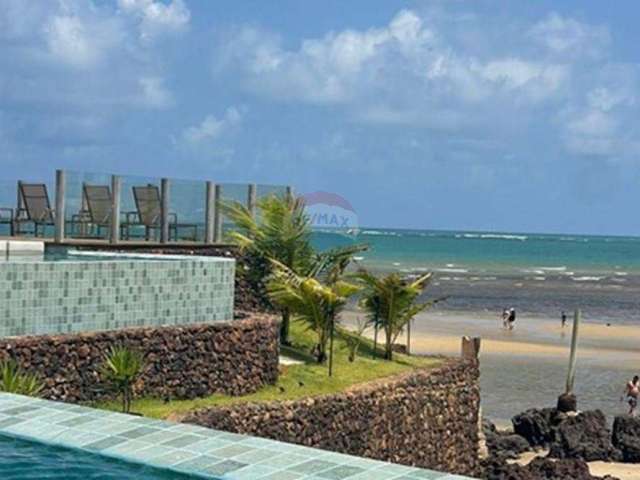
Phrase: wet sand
(526, 367)
(623, 471)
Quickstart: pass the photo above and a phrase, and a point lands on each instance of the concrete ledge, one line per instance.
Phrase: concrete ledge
(187, 449)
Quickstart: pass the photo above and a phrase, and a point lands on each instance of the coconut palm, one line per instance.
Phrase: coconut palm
(391, 302)
(15, 380)
(121, 368)
(307, 298)
(282, 233)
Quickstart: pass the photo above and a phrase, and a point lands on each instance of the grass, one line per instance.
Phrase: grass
(296, 381)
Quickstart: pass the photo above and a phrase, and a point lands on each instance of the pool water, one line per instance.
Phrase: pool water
(22, 460)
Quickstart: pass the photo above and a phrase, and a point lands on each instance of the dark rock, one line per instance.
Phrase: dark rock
(542, 469)
(504, 445)
(626, 437)
(567, 402)
(535, 425)
(584, 437)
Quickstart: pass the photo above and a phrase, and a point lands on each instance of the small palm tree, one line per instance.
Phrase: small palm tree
(307, 298)
(15, 380)
(282, 233)
(390, 302)
(121, 368)
(354, 340)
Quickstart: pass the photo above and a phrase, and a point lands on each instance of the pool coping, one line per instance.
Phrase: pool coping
(188, 449)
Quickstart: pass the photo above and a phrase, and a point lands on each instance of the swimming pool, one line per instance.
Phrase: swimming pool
(23, 460)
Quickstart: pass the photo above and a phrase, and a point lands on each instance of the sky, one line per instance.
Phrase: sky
(477, 115)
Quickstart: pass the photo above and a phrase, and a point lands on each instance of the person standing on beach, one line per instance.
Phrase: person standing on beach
(512, 318)
(563, 319)
(505, 318)
(632, 391)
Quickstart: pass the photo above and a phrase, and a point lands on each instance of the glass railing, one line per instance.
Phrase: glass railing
(88, 199)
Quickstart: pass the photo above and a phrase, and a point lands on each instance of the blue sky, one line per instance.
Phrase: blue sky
(516, 116)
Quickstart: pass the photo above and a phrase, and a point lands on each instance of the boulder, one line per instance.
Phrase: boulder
(626, 437)
(535, 425)
(542, 469)
(506, 445)
(567, 402)
(584, 437)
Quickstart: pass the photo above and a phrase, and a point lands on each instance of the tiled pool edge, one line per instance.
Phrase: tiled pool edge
(187, 449)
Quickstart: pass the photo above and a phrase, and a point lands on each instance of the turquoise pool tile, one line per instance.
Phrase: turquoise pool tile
(199, 462)
(105, 443)
(223, 468)
(252, 472)
(283, 475)
(255, 456)
(231, 451)
(8, 422)
(128, 446)
(312, 467)
(139, 432)
(341, 472)
(184, 441)
(284, 460)
(160, 437)
(233, 437)
(77, 421)
(151, 452)
(207, 446)
(171, 458)
(427, 474)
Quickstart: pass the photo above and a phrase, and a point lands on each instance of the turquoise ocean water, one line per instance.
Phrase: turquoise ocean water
(538, 274)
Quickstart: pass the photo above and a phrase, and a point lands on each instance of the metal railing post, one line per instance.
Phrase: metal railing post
(210, 209)
(251, 199)
(164, 210)
(116, 184)
(217, 235)
(59, 216)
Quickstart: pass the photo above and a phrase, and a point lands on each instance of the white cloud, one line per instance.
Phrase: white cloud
(445, 72)
(566, 35)
(156, 17)
(212, 128)
(80, 42)
(155, 94)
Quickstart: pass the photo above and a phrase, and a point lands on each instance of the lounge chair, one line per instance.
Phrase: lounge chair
(96, 211)
(148, 214)
(34, 207)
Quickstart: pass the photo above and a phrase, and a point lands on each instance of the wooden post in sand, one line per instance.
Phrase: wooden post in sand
(567, 402)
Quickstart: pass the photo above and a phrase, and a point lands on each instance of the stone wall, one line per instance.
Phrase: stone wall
(190, 361)
(424, 418)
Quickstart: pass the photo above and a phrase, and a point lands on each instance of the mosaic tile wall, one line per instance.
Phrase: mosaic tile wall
(78, 296)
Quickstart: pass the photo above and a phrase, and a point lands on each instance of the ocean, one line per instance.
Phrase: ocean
(539, 275)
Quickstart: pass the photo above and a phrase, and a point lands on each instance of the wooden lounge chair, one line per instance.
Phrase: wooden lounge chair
(96, 210)
(148, 214)
(34, 208)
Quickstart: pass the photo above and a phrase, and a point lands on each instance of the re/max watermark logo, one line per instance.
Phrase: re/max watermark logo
(329, 211)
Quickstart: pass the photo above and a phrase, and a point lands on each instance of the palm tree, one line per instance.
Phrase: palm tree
(390, 301)
(121, 368)
(15, 380)
(282, 233)
(307, 298)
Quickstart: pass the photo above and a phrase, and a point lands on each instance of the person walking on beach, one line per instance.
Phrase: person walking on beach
(512, 318)
(563, 319)
(505, 318)
(632, 391)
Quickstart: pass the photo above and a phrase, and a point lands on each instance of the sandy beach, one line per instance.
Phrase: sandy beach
(526, 367)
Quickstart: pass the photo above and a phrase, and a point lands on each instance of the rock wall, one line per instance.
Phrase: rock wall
(426, 418)
(235, 358)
